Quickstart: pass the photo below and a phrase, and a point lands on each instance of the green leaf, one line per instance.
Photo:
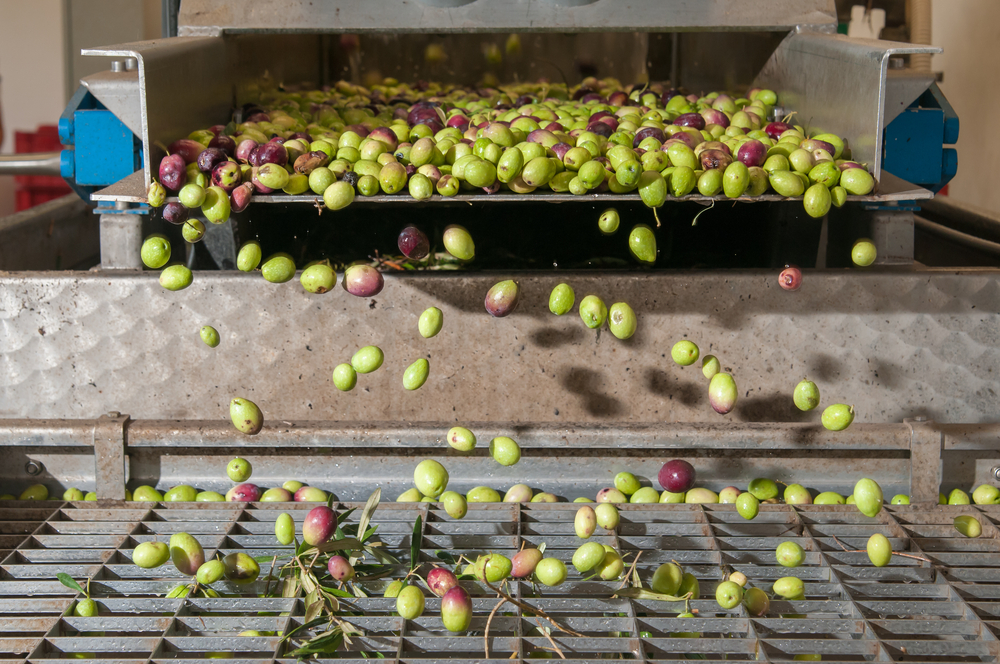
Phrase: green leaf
(70, 582)
(358, 592)
(642, 593)
(415, 542)
(337, 592)
(290, 587)
(369, 533)
(445, 556)
(370, 507)
(343, 517)
(326, 644)
(330, 501)
(313, 605)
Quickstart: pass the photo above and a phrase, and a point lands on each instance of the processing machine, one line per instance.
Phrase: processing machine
(106, 386)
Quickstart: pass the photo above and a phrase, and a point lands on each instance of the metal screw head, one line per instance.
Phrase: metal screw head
(117, 66)
(996, 472)
(33, 468)
(114, 414)
(131, 64)
(919, 418)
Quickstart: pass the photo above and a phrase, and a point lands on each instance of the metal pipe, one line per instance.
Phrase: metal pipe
(957, 237)
(39, 163)
(969, 219)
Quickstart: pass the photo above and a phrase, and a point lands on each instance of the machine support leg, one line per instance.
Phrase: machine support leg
(892, 233)
(121, 241)
(109, 456)
(925, 462)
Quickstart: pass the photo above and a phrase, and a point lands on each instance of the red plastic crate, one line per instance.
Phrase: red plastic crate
(32, 190)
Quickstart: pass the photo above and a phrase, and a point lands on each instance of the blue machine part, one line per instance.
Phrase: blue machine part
(100, 149)
(914, 147)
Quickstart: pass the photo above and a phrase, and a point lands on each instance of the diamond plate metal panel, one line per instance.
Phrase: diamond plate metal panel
(894, 344)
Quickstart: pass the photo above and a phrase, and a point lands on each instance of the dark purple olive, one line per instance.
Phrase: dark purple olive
(600, 128)
(715, 117)
(774, 130)
(502, 298)
(647, 132)
(811, 144)
(752, 153)
(790, 278)
(440, 581)
(227, 175)
(676, 476)
(175, 213)
(272, 153)
(217, 129)
(360, 130)
(593, 96)
(239, 199)
(715, 159)
(351, 178)
(493, 188)
(302, 136)
(224, 143)
(243, 150)
(668, 95)
(410, 170)
(681, 137)
(187, 149)
(617, 98)
(310, 161)
(210, 158)
(580, 92)
(611, 121)
(280, 140)
(259, 117)
(849, 164)
(459, 122)
(693, 120)
(362, 281)
(173, 173)
(413, 243)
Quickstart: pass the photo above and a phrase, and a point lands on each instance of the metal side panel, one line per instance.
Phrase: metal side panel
(893, 344)
(215, 17)
(57, 235)
(837, 84)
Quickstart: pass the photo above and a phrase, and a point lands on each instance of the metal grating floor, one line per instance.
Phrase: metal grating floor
(947, 610)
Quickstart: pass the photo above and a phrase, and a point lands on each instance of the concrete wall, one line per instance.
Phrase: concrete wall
(969, 33)
(40, 61)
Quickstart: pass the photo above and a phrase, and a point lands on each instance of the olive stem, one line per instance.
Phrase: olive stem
(895, 553)
(547, 635)
(489, 621)
(630, 570)
(267, 586)
(532, 609)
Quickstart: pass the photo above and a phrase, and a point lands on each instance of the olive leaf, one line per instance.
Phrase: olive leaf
(445, 556)
(70, 582)
(642, 593)
(541, 548)
(336, 545)
(313, 604)
(290, 587)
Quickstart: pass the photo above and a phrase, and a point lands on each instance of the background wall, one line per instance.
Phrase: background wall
(38, 77)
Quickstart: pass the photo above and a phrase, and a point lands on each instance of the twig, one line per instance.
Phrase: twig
(895, 553)
(267, 586)
(548, 636)
(527, 607)
(630, 570)
(486, 634)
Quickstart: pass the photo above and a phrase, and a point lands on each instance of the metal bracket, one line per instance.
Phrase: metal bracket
(109, 456)
(926, 445)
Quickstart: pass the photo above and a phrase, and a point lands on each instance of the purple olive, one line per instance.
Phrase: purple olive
(272, 153)
(502, 298)
(647, 132)
(209, 158)
(790, 278)
(259, 116)
(277, 139)
(340, 568)
(560, 150)
(774, 130)
(258, 187)
(319, 525)
(244, 150)
(680, 137)
(849, 164)
(676, 476)
(617, 98)
(600, 128)
(667, 95)
(413, 243)
(224, 143)
(523, 563)
(387, 136)
(716, 159)
(752, 153)
(812, 144)
(173, 172)
(713, 116)
(722, 393)
(360, 130)
(244, 493)
(239, 199)
(227, 175)
(175, 213)
(188, 149)
(693, 120)
(362, 281)
(456, 610)
(440, 581)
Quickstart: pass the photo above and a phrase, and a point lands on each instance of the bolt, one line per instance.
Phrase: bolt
(131, 64)
(33, 468)
(117, 66)
(919, 418)
(114, 414)
(996, 472)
